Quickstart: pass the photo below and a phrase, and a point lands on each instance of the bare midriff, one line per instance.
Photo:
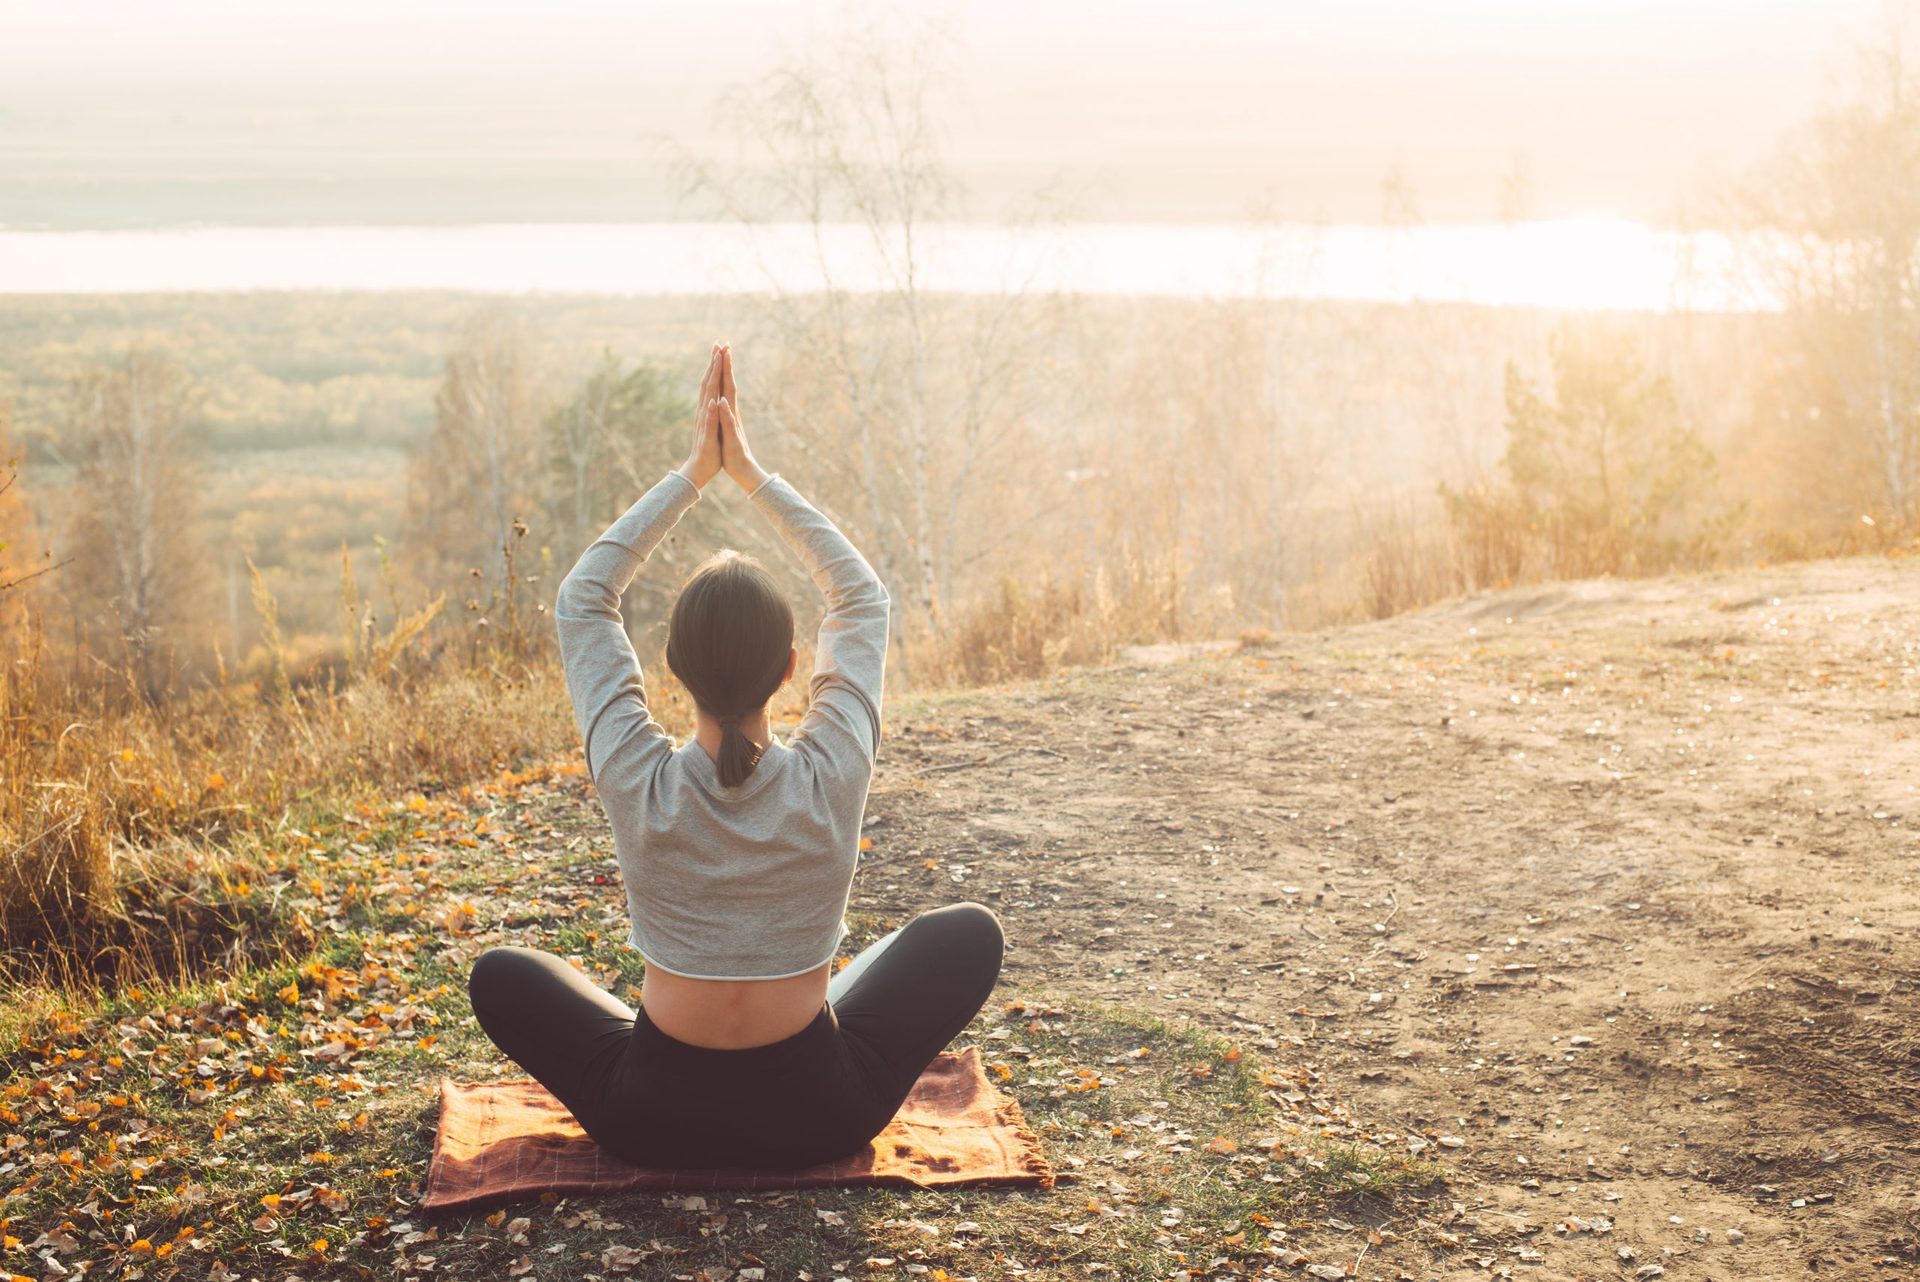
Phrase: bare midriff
(732, 1014)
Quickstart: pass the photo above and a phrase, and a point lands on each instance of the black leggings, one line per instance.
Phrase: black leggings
(812, 1097)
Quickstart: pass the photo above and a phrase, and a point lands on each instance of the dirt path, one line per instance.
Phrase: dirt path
(1614, 886)
(1616, 883)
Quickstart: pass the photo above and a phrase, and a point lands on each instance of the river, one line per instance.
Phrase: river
(1582, 263)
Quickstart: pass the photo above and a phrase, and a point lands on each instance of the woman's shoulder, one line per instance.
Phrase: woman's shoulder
(831, 745)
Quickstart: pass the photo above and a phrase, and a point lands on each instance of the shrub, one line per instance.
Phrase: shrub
(1605, 478)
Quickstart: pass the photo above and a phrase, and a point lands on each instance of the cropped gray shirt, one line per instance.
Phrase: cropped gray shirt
(748, 882)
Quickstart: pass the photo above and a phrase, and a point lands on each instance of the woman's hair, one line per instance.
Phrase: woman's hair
(728, 641)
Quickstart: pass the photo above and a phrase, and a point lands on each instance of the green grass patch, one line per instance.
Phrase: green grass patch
(278, 1122)
(244, 1134)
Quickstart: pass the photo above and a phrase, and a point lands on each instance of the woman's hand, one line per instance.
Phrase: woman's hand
(703, 460)
(734, 450)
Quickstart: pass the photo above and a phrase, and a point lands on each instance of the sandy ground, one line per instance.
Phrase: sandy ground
(1618, 883)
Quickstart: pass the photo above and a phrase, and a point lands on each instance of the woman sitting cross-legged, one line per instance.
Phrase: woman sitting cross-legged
(738, 852)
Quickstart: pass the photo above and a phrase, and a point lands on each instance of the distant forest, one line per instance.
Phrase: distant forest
(1215, 465)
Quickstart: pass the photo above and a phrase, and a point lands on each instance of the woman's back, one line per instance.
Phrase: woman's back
(729, 885)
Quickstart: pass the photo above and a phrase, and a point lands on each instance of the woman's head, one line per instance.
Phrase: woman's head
(730, 642)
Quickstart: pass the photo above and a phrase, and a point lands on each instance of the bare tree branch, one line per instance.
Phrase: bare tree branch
(10, 584)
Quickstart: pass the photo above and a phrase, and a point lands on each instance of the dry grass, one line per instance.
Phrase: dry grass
(132, 832)
(134, 835)
(1407, 554)
(1033, 625)
(1408, 561)
(128, 833)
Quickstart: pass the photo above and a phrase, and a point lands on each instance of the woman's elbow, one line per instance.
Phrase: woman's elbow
(581, 595)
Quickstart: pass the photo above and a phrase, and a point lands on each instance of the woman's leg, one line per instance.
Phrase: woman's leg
(916, 995)
(843, 979)
(554, 1022)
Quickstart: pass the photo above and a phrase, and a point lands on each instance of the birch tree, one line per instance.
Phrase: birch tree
(1840, 206)
(137, 560)
(908, 405)
(479, 470)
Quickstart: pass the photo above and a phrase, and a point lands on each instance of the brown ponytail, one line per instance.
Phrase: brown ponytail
(728, 641)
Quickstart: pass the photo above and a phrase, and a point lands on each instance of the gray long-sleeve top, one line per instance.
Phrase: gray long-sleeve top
(748, 882)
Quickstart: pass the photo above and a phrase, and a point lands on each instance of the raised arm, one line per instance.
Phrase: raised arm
(850, 656)
(603, 672)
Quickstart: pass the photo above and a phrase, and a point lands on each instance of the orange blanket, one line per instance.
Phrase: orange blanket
(499, 1141)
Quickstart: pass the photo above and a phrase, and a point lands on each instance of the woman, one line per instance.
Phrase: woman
(738, 851)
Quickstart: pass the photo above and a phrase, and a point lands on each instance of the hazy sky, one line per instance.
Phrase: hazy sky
(128, 111)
